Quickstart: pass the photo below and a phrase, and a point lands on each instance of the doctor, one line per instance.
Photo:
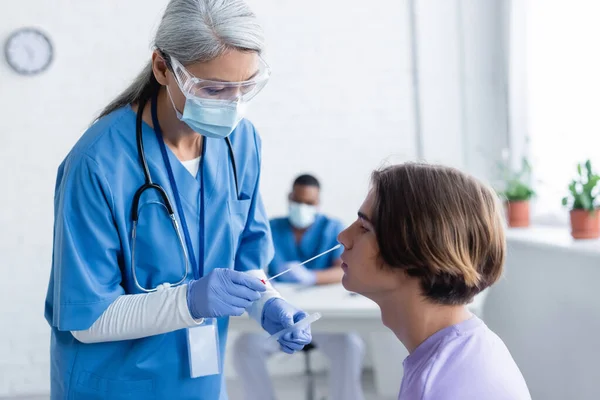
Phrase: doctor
(302, 235)
(160, 232)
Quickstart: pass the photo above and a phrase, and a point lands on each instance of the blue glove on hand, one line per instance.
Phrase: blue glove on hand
(223, 292)
(278, 314)
(300, 274)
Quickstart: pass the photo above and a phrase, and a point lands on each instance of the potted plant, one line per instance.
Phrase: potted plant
(585, 221)
(516, 192)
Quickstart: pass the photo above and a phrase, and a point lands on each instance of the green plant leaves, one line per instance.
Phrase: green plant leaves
(516, 183)
(517, 191)
(583, 189)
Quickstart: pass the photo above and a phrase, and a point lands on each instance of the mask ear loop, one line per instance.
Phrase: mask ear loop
(169, 62)
(177, 112)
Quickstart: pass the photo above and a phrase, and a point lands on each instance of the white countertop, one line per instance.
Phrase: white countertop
(340, 310)
(329, 300)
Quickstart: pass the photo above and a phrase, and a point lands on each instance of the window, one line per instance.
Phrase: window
(563, 85)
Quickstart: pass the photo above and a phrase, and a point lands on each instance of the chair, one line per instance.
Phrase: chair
(310, 386)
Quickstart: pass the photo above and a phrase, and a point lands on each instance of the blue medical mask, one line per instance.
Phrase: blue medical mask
(211, 118)
(302, 215)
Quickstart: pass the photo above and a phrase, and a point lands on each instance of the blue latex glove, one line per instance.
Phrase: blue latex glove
(300, 274)
(223, 292)
(278, 314)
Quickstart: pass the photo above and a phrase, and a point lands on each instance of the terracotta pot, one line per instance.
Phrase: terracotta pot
(585, 225)
(518, 213)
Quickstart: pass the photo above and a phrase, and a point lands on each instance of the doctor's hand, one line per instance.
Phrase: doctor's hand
(278, 314)
(299, 274)
(223, 292)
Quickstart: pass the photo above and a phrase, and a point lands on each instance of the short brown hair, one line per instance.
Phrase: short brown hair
(440, 225)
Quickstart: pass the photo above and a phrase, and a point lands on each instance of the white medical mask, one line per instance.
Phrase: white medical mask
(302, 215)
(211, 118)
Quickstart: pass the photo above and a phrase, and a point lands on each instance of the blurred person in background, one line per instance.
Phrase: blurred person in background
(302, 234)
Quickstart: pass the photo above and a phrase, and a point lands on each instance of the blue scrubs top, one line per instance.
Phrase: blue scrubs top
(319, 237)
(91, 264)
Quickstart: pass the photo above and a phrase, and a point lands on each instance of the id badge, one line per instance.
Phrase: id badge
(203, 349)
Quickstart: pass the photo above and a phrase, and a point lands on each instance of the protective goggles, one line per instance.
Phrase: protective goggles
(203, 89)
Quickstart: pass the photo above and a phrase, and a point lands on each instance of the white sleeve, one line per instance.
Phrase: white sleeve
(136, 316)
(256, 309)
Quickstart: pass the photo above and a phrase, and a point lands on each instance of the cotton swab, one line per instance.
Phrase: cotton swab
(305, 262)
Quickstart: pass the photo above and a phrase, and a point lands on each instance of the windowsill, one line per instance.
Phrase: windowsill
(552, 238)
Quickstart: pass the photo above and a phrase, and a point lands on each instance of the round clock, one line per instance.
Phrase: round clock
(28, 51)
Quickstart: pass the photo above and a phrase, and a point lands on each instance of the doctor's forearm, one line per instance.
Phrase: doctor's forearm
(140, 315)
(332, 274)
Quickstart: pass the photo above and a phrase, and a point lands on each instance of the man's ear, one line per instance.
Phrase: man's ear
(159, 68)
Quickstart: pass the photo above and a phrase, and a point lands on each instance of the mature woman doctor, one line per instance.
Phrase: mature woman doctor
(160, 232)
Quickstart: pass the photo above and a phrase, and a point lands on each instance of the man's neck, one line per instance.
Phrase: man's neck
(298, 234)
(413, 319)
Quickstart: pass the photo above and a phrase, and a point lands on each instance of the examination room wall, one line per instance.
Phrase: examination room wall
(354, 84)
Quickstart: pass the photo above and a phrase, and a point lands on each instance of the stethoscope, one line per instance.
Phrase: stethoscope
(150, 185)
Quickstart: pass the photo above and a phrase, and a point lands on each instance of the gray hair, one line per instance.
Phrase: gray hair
(195, 31)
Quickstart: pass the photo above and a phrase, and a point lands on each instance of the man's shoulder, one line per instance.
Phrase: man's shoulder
(478, 361)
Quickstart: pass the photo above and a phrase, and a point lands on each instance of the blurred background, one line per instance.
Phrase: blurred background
(355, 85)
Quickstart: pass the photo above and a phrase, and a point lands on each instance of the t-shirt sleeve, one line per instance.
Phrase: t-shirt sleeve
(86, 248)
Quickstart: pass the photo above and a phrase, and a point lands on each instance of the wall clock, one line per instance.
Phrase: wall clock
(28, 51)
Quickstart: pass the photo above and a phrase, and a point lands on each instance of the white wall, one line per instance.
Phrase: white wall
(340, 102)
(341, 91)
(461, 68)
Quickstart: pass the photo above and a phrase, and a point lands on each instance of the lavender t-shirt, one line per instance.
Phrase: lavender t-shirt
(466, 361)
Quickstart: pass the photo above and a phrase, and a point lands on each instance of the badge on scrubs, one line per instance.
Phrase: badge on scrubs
(203, 349)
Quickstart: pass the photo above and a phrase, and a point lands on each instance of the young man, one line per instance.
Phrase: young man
(303, 234)
(428, 239)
